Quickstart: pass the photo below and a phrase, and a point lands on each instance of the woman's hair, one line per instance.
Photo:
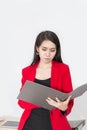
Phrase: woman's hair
(51, 36)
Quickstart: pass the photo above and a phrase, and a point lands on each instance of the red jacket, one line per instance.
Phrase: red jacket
(60, 80)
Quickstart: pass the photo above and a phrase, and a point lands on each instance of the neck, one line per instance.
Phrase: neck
(44, 65)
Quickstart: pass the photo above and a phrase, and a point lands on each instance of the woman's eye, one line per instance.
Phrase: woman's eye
(44, 49)
(52, 50)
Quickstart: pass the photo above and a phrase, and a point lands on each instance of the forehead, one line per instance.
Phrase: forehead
(48, 44)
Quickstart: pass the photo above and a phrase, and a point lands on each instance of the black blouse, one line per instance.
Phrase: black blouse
(39, 118)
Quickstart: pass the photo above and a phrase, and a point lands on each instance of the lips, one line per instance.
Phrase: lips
(47, 58)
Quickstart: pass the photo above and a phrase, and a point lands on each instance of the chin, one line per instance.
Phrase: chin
(47, 61)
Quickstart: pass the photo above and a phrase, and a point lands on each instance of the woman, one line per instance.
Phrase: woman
(48, 69)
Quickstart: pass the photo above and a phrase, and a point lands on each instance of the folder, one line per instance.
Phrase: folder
(37, 94)
(9, 124)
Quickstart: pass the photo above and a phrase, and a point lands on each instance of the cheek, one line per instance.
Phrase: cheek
(41, 53)
(53, 55)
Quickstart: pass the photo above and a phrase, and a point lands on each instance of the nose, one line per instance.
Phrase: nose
(48, 53)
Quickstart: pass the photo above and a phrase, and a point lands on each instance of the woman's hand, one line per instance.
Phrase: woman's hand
(59, 104)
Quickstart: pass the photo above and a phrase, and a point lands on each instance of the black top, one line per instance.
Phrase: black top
(39, 118)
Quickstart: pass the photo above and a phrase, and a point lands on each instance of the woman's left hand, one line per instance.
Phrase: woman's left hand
(59, 104)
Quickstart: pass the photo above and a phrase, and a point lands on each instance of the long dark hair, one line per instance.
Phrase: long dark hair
(51, 36)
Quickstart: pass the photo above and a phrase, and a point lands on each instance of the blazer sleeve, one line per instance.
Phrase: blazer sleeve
(24, 104)
(67, 87)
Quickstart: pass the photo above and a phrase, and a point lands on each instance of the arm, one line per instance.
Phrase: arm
(26, 105)
(67, 87)
(21, 103)
(65, 106)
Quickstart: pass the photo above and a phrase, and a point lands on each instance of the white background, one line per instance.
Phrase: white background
(20, 22)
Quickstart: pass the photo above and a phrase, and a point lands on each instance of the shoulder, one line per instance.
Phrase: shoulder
(61, 68)
(26, 68)
(60, 65)
(29, 69)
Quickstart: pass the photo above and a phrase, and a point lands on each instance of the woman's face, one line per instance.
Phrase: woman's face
(47, 51)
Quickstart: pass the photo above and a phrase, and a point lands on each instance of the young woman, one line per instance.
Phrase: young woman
(48, 69)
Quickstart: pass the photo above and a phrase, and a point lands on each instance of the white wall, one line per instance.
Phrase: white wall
(20, 22)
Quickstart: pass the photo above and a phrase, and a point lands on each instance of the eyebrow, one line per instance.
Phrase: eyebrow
(50, 48)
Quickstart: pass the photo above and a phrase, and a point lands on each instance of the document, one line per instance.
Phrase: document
(37, 94)
(9, 124)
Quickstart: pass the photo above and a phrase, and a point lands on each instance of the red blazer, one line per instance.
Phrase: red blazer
(60, 80)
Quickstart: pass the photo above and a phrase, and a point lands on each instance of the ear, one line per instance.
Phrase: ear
(37, 49)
